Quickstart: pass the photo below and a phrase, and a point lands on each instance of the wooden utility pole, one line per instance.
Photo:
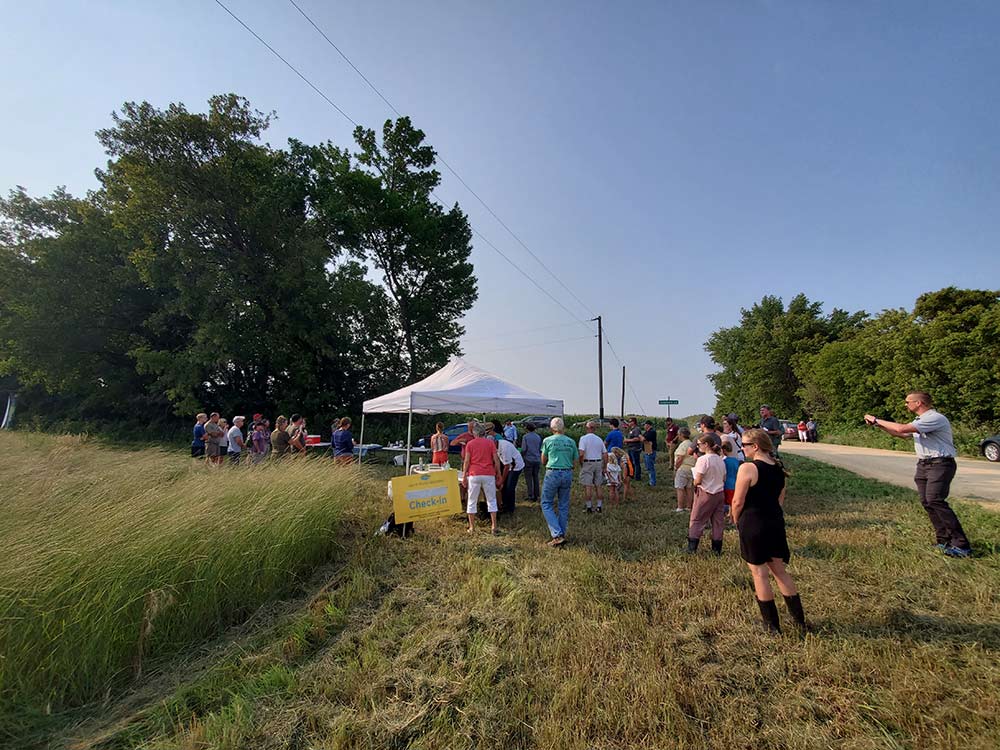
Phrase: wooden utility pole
(600, 364)
(623, 391)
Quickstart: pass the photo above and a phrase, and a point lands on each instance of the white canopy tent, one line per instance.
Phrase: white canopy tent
(459, 388)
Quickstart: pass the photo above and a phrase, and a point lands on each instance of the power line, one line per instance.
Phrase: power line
(329, 101)
(479, 234)
(523, 330)
(529, 346)
(441, 159)
(290, 66)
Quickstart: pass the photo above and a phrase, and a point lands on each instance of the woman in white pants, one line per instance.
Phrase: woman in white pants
(481, 473)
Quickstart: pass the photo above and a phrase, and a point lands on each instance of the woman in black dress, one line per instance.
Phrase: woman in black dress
(757, 511)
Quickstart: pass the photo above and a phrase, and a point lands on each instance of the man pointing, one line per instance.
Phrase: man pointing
(936, 468)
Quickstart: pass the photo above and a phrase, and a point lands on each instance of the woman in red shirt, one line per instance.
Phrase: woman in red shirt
(481, 472)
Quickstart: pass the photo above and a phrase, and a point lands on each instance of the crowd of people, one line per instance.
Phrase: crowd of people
(215, 441)
(733, 474)
(725, 474)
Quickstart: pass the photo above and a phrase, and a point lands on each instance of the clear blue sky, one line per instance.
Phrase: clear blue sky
(672, 162)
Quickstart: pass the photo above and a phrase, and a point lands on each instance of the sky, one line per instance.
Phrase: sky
(669, 162)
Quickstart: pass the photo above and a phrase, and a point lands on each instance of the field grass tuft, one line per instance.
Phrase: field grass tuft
(113, 558)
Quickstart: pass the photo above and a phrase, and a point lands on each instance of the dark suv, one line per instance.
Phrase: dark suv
(540, 422)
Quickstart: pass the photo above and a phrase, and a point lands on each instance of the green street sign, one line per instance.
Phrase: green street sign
(669, 402)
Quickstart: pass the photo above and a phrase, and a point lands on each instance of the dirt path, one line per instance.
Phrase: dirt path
(976, 480)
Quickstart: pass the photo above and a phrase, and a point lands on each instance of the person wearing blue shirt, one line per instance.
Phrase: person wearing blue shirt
(732, 468)
(198, 436)
(510, 433)
(343, 442)
(615, 439)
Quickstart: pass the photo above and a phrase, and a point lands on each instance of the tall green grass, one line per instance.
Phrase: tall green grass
(111, 558)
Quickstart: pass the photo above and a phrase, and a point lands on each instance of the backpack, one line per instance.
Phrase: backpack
(391, 528)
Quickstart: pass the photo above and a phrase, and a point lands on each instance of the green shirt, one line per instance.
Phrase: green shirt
(560, 451)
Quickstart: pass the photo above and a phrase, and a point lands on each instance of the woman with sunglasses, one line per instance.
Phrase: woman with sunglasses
(758, 514)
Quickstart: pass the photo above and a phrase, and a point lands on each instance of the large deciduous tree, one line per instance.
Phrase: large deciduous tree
(382, 209)
(948, 345)
(71, 308)
(263, 310)
(213, 271)
(758, 358)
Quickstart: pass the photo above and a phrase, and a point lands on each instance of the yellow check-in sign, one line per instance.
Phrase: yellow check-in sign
(429, 495)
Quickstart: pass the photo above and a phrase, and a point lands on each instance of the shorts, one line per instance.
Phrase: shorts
(683, 478)
(592, 473)
(234, 456)
(197, 451)
(729, 496)
(488, 484)
(213, 450)
(439, 457)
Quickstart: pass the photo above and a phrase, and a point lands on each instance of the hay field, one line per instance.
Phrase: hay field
(618, 640)
(110, 558)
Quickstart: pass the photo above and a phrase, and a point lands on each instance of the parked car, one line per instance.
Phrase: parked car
(540, 422)
(452, 432)
(600, 423)
(990, 447)
(789, 429)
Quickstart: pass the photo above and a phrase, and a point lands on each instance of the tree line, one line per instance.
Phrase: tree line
(836, 367)
(212, 271)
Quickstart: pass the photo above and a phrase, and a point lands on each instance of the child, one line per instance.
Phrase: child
(627, 471)
(732, 466)
(613, 473)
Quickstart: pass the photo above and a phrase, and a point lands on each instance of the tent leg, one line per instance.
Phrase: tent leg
(362, 443)
(409, 437)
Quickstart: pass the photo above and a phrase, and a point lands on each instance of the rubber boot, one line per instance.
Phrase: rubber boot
(717, 547)
(692, 545)
(794, 604)
(769, 615)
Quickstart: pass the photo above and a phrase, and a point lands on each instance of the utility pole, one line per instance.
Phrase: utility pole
(623, 392)
(600, 363)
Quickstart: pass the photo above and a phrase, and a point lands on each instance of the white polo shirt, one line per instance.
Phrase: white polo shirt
(592, 447)
(510, 455)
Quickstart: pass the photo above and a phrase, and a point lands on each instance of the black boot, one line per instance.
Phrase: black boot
(769, 614)
(717, 547)
(794, 604)
(692, 545)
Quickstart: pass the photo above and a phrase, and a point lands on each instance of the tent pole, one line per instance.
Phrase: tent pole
(361, 444)
(409, 435)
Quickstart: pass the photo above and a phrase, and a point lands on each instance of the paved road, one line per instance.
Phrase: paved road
(976, 479)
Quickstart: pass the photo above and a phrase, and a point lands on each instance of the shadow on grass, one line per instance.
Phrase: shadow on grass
(923, 628)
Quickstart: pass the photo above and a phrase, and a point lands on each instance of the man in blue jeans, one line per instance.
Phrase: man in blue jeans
(649, 451)
(559, 456)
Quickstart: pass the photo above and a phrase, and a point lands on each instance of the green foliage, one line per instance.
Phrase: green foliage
(949, 346)
(758, 357)
(838, 368)
(383, 212)
(212, 271)
(110, 562)
(71, 307)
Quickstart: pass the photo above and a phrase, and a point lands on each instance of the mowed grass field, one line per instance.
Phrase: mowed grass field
(617, 640)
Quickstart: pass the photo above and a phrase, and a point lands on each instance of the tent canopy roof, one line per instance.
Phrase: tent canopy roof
(461, 388)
